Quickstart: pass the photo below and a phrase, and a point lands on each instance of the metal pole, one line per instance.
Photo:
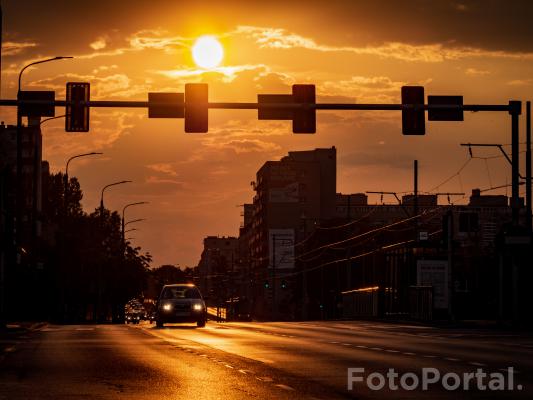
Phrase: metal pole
(528, 166)
(515, 110)
(415, 200)
(450, 263)
(273, 277)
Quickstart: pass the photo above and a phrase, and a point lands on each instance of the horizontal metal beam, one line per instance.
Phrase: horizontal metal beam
(255, 106)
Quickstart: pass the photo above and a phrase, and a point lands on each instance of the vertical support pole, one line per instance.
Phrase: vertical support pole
(415, 191)
(273, 277)
(528, 166)
(450, 263)
(515, 110)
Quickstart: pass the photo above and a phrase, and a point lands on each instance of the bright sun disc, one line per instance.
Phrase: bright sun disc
(207, 52)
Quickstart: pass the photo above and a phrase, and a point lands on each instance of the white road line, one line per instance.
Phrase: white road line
(477, 364)
(346, 344)
(392, 351)
(285, 387)
(409, 354)
(361, 346)
(376, 348)
(429, 356)
(228, 366)
(10, 349)
(451, 359)
(242, 371)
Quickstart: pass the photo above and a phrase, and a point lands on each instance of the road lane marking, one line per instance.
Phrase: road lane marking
(285, 387)
(264, 378)
(392, 351)
(361, 346)
(452, 359)
(429, 356)
(228, 366)
(10, 349)
(477, 364)
(376, 348)
(346, 344)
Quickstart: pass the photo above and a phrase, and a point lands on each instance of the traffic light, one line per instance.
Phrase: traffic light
(303, 119)
(266, 285)
(445, 114)
(283, 284)
(77, 115)
(413, 120)
(37, 110)
(196, 111)
(166, 105)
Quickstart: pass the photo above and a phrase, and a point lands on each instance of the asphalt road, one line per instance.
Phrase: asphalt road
(255, 360)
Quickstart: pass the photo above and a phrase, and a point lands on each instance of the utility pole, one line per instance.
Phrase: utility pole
(515, 109)
(415, 191)
(273, 276)
(528, 166)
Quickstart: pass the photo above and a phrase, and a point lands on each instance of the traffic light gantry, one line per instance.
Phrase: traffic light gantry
(299, 107)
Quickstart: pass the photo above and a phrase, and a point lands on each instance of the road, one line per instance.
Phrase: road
(251, 360)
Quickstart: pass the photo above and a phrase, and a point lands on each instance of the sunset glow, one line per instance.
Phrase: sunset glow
(207, 52)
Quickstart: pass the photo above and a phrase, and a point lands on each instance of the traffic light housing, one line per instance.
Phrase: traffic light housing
(37, 110)
(413, 119)
(166, 105)
(77, 115)
(303, 119)
(283, 284)
(266, 285)
(196, 110)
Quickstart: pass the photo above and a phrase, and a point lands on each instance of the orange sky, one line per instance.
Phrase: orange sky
(356, 51)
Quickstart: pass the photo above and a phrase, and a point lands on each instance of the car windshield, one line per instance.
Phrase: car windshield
(181, 292)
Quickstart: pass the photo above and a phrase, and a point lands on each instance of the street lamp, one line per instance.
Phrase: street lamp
(135, 220)
(124, 210)
(102, 194)
(65, 178)
(19, 192)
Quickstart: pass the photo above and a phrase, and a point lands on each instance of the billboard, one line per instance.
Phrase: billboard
(434, 273)
(281, 248)
(285, 194)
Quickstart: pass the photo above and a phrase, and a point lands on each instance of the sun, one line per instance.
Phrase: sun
(207, 52)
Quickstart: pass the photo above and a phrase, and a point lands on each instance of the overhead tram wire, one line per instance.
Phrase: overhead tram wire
(320, 228)
(329, 245)
(381, 248)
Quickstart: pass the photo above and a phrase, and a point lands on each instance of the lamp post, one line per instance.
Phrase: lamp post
(20, 189)
(124, 211)
(102, 194)
(65, 178)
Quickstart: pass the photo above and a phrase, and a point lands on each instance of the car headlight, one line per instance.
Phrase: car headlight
(167, 306)
(197, 307)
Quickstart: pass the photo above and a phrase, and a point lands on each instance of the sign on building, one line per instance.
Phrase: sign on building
(285, 194)
(281, 248)
(434, 273)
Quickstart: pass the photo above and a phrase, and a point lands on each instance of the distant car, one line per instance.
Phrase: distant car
(132, 318)
(181, 303)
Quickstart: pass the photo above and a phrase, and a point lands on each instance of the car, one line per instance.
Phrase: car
(181, 302)
(132, 318)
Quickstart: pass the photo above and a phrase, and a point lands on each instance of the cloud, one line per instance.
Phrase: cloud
(99, 43)
(155, 39)
(164, 168)
(476, 72)
(240, 146)
(365, 89)
(277, 38)
(521, 82)
(14, 48)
